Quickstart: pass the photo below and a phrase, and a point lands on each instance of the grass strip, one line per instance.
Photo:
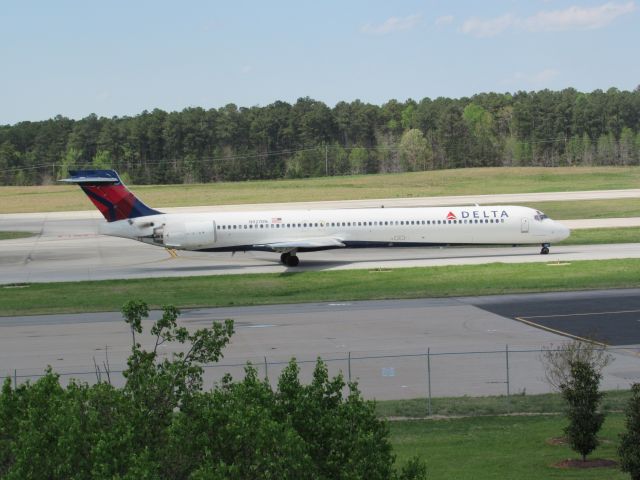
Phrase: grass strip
(14, 235)
(613, 401)
(260, 289)
(579, 209)
(598, 236)
(468, 181)
(481, 448)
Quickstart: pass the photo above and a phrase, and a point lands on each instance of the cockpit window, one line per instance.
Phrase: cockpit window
(539, 216)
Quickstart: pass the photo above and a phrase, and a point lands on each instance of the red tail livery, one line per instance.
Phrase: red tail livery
(107, 192)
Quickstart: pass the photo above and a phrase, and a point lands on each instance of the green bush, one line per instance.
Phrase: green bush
(162, 425)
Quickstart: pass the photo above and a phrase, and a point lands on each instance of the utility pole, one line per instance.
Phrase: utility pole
(326, 160)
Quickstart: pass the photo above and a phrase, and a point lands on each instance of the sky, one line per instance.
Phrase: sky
(118, 58)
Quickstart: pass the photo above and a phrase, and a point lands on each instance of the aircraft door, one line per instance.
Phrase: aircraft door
(524, 226)
(214, 231)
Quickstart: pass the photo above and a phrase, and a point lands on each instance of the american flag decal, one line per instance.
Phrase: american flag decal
(276, 220)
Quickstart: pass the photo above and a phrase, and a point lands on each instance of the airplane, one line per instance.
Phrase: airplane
(290, 232)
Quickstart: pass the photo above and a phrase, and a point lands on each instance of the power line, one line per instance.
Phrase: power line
(248, 156)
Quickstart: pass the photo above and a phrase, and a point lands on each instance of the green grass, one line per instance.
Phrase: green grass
(480, 448)
(595, 236)
(614, 400)
(572, 210)
(259, 289)
(470, 181)
(13, 235)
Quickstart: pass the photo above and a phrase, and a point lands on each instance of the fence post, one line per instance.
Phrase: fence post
(429, 380)
(508, 385)
(349, 366)
(266, 369)
(15, 378)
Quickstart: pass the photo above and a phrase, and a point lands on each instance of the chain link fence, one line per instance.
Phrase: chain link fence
(387, 375)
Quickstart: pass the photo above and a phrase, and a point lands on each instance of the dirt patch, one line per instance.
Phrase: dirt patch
(579, 464)
(561, 441)
(556, 441)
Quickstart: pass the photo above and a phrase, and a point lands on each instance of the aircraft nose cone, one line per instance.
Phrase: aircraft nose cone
(562, 231)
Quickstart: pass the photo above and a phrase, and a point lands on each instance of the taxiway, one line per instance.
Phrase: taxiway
(382, 344)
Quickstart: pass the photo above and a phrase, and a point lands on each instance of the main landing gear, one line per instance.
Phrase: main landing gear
(545, 249)
(289, 259)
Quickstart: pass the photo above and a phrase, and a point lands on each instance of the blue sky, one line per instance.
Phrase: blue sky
(121, 57)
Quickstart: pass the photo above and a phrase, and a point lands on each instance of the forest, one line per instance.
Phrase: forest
(309, 138)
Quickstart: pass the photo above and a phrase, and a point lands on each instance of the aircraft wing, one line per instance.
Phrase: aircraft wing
(318, 243)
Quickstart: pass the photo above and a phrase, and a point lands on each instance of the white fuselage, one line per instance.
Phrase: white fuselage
(282, 230)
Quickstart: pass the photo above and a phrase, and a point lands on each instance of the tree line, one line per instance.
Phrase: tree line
(308, 138)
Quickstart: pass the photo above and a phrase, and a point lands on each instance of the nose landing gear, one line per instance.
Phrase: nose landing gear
(545, 249)
(289, 259)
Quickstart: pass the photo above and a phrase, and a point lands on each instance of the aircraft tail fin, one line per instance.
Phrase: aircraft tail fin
(107, 192)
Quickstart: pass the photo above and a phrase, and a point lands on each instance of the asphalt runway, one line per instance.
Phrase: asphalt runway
(382, 344)
(610, 317)
(68, 249)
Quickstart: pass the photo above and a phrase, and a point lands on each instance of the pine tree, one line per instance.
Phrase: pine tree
(583, 397)
(629, 449)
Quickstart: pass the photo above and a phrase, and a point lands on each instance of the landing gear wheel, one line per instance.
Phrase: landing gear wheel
(545, 249)
(289, 260)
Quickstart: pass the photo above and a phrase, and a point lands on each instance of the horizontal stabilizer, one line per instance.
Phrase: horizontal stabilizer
(93, 177)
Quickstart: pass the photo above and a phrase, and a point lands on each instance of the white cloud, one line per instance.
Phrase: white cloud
(578, 17)
(393, 24)
(488, 28)
(572, 18)
(444, 20)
